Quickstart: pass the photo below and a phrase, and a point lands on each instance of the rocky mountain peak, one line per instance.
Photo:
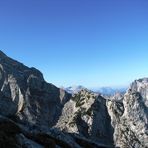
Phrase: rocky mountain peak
(139, 85)
(86, 114)
(25, 91)
(130, 117)
(37, 114)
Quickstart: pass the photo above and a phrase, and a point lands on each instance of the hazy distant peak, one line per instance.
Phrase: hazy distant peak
(74, 89)
(110, 90)
(100, 90)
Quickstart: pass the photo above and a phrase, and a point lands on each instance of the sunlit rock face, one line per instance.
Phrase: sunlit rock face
(86, 114)
(130, 117)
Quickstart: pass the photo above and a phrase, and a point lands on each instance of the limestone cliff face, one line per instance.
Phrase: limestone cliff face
(130, 116)
(86, 114)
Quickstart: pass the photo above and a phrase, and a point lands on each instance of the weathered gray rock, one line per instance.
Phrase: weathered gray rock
(86, 114)
(130, 118)
(25, 95)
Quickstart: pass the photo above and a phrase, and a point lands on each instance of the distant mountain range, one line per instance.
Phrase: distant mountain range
(110, 90)
(74, 89)
(102, 90)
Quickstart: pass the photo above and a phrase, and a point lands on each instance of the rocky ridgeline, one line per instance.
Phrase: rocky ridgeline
(129, 116)
(36, 114)
(86, 115)
(26, 96)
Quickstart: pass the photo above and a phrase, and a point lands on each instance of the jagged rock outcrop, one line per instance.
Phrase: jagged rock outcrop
(86, 114)
(26, 96)
(130, 117)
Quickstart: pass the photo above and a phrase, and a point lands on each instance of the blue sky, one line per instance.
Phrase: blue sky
(88, 42)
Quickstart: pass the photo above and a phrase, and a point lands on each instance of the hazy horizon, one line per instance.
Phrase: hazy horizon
(83, 42)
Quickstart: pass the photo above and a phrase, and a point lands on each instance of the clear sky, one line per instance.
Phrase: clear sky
(88, 42)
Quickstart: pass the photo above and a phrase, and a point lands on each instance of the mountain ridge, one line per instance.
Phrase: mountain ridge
(37, 114)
